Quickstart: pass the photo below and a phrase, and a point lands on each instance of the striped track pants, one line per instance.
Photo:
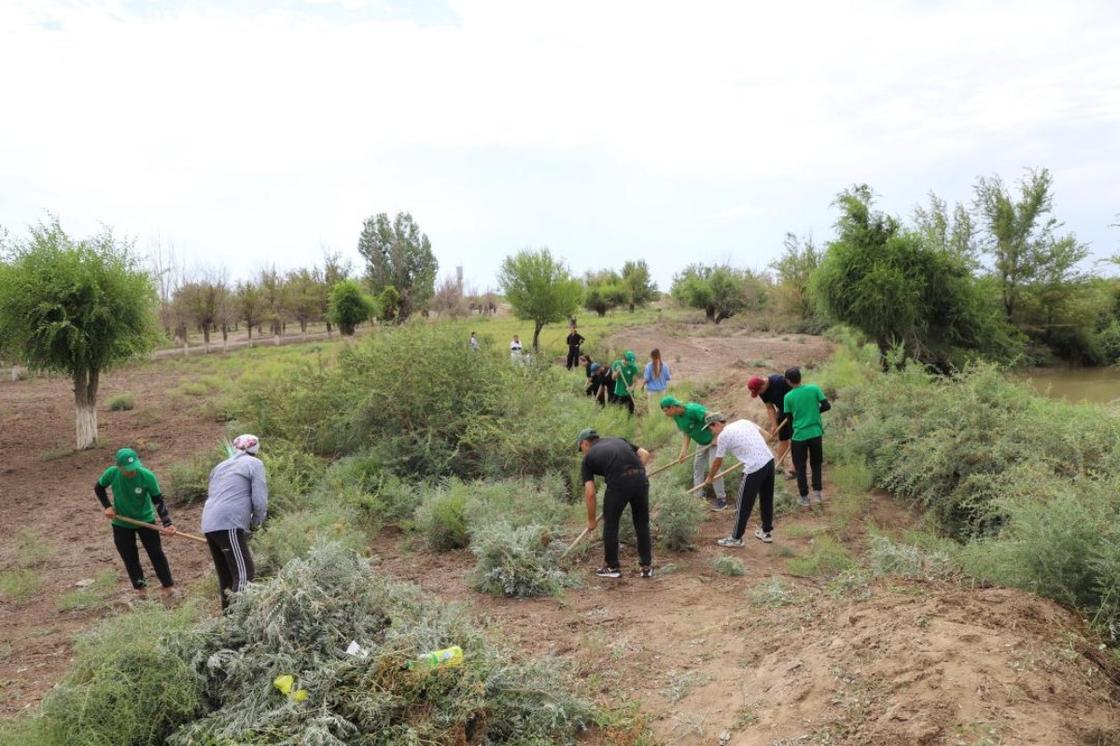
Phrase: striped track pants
(232, 561)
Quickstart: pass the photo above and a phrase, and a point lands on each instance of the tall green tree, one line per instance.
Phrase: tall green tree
(954, 232)
(76, 307)
(204, 300)
(640, 288)
(603, 290)
(793, 269)
(398, 254)
(305, 291)
(900, 290)
(539, 288)
(250, 306)
(1019, 234)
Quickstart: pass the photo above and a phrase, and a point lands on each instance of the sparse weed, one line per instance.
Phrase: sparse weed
(725, 564)
(32, 548)
(18, 585)
(773, 593)
(826, 557)
(122, 403)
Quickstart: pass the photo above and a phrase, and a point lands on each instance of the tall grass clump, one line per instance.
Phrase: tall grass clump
(189, 480)
(521, 561)
(122, 403)
(301, 622)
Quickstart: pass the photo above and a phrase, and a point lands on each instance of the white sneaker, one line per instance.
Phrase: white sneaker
(765, 536)
(730, 541)
(818, 498)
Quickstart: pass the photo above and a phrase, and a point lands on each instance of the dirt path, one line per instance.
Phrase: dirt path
(765, 658)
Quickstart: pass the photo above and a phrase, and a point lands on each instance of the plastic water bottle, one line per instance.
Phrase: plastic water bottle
(446, 658)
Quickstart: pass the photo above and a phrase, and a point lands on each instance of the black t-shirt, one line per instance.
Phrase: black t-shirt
(574, 339)
(776, 392)
(611, 458)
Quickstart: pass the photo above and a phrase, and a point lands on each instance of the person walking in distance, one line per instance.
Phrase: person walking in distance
(623, 467)
(772, 391)
(690, 421)
(655, 378)
(236, 503)
(474, 342)
(743, 440)
(804, 404)
(515, 349)
(574, 341)
(136, 495)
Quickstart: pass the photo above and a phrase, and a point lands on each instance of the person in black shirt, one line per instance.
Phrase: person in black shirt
(772, 390)
(574, 341)
(623, 467)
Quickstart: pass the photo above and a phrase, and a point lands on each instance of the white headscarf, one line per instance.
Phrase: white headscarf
(247, 444)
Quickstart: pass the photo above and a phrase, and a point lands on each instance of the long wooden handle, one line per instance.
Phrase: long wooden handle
(579, 538)
(721, 475)
(660, 469)
(154, 527)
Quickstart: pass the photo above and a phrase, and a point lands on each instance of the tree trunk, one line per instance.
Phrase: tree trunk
(328, 329)
(601, 312)
(537, 326)
(206, 336)
(631, 308)
(710, 313)
(85, 411)
(225, 338)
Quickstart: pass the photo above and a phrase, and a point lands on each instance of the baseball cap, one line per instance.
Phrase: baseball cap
(128, 460)
(714, 417)
(670, 401)
(630, 356)
(755, 385)
(586, 434)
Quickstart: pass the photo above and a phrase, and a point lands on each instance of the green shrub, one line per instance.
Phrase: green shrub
(677, 516)
(890, 558)
(725, 564)
(189, 480)
(827, 557)
(441, 519)
(516, 561)
(126, 686)
(853, 476)
(18, 585)
(294, 534)
(122, 403)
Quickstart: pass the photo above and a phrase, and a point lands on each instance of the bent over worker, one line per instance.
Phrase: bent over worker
(690, 421)
(136, 495)
(623, 467)
(743, 440)
(236, 502)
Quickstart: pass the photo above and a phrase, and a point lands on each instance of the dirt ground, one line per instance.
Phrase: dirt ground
(765, 658)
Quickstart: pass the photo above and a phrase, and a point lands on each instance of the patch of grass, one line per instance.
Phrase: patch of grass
(681, 685)
(122, 403)
(785, 551)
(82, 598)
(192, 388)
(18, 585)
(725, 564)
(56, 453)
(853, 477)
(852, 585)
(890, 558)
(189, 480)
(773, 593)
(442, 521)
(825, 558)
(521, 562)
(32, 548)
(744, 718)
(803, 530)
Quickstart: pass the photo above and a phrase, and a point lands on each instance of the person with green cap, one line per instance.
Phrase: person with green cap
(623, 467)
(690, 421)
(136, 495)
(625, 372)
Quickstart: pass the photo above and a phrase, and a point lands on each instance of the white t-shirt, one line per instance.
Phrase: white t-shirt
(515, 346)
(745, 442)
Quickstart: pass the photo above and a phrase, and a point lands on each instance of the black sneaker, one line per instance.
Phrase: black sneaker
(647, 572)
(609, 572)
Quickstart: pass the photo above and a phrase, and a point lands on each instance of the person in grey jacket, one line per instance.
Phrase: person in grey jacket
(236, 502)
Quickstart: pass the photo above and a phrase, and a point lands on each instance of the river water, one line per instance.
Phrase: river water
(1077, 384)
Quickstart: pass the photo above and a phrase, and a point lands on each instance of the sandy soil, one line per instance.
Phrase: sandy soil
(711, 659)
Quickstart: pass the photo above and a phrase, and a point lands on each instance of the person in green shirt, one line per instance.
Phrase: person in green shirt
(625, 374)
(804, 404)
(136, 495)
(690, 421)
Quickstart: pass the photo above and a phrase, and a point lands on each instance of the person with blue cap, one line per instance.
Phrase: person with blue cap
(136, 495)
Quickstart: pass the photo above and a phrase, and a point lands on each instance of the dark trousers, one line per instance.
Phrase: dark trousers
(812, 449)
(757, 484)
(125, 539)
(573, 357)
(625, 400)
(632, 491)
(232, 561)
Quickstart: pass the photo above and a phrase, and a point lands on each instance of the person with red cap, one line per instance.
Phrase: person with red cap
(772, 390)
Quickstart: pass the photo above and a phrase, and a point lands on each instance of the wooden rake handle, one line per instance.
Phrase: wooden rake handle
(580, 538)
(721, 475)
(670, 465)
(154, 527)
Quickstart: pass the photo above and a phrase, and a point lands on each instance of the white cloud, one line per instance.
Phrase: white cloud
(633, 128)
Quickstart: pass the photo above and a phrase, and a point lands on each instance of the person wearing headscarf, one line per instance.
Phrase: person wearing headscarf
(236, 503)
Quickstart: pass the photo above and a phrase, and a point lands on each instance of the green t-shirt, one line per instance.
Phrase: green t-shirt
(627, 374)
(804, 403)
(132, 496)
(691, 423)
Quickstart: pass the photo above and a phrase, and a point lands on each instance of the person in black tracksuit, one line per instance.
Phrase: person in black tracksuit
(623, 467)
(574, 341)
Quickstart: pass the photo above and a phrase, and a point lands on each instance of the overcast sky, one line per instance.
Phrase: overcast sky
(252, 133)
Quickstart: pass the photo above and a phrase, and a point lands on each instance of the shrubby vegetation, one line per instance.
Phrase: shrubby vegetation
(212, 681)
(1025, 485)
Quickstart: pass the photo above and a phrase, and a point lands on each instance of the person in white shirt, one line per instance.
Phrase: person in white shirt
(515, 349)
(744, 440)
(474, 342)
